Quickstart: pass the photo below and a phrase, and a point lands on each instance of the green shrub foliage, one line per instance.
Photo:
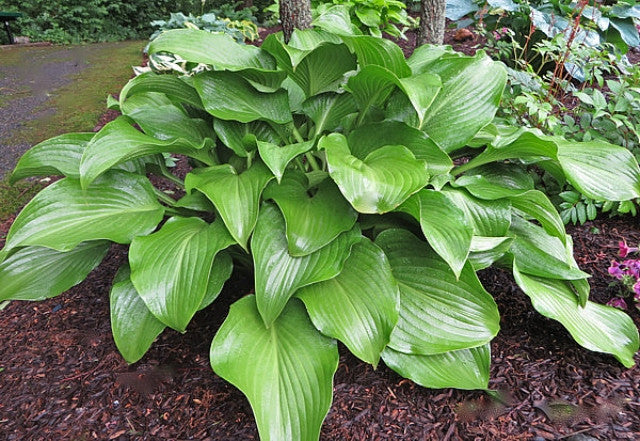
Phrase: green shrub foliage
(325, 165)
(72, 21)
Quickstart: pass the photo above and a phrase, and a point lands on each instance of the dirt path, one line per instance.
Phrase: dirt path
(46, 91)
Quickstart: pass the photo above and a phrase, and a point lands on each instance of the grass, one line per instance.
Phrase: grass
(14, 197)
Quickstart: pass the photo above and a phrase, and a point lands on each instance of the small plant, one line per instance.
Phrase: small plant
(627, 274)
(374, 16)
(323, 167)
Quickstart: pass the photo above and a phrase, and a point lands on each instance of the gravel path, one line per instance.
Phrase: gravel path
(29, 76)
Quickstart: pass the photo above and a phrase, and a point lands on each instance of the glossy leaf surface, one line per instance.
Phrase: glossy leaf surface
(290, 389)
(133, 326)
(438, 312)
(37, 273)
(312, 221)
(170, 268)
(359, 307)
(380, 182)
(278, 275)
(444, 225)
(596, 327)
(236, 196)
(464, 369)
(118, 207)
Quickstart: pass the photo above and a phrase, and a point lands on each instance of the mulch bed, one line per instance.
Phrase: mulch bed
(61, 377)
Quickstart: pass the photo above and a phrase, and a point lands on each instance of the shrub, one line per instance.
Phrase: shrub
(72, 21)
(325, 167)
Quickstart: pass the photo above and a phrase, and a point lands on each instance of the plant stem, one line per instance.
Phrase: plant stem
(176, 180)
(312, 161)
(296, 134)
(164, 197)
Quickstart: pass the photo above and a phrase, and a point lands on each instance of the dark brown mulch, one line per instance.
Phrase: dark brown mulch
(61, 377)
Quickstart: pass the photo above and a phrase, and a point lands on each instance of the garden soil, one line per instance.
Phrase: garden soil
(61, 377)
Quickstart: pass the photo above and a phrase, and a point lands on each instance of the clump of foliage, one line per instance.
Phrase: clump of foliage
(324, 167)
(371, 17)
(374, 16)
(73, 21)
(534, 20)
(240, 30)
(606, 91)
(236, 12)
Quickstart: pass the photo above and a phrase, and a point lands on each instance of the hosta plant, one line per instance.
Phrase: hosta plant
(362, 189)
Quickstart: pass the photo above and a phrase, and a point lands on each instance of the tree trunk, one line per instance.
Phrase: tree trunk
(432, 21)
(294, 14)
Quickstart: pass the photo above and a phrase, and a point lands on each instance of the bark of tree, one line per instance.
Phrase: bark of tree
(294, 14)
(432, 21)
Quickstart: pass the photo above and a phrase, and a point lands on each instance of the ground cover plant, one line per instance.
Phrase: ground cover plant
(330, 185)
(563, 84)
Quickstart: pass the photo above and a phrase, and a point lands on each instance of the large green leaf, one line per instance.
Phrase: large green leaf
(508, 143)
(371, 88)
(312, 221)
(36, 273)
(170, 268)
(359, 307)
(464, 369)
(531, 202)
(278, 275)
(119, 142)
(596, 327)
(236, 196)
(443, 224)
(438, 311)
(335, 20)
(226, 95)
(278, 157)
(468, 100)
(488, 218)
(373, 84)
(380, 182)
(220, 273)
(216, 49)
(133, 326)
(380, 52)
(285, 370)
(539, 254)
(59, 155)
(241, 138)
(328, 110)
(484, 251)
(118, 207)
(600, 170)
(170, 85)
(370, 137)
(323, 69)
(628, 31)
(157, 116)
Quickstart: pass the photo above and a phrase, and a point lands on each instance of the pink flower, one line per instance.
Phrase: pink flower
(625, 249)
(636, 291)
(615, 270)
(617, 302)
